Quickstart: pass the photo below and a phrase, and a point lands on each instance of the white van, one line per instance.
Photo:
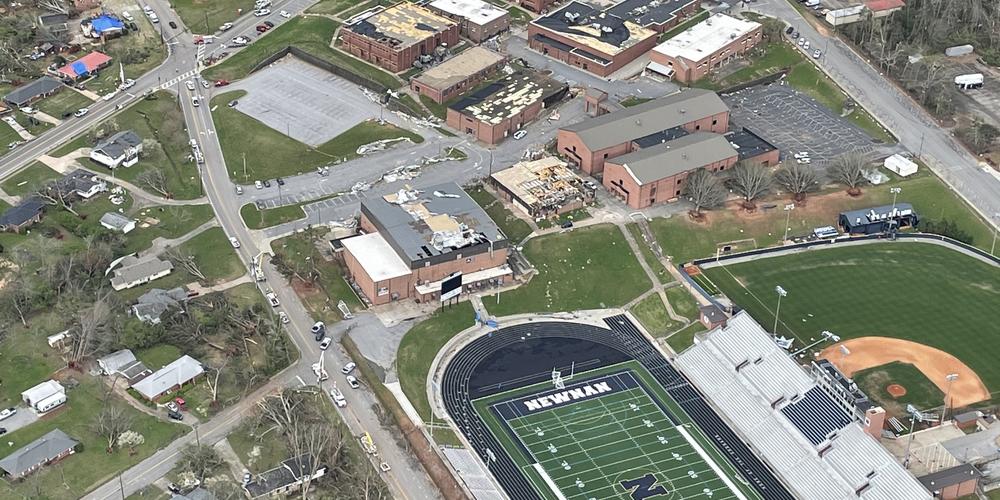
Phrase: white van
(970, 81)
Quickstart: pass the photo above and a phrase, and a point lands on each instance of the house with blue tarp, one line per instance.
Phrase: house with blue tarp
(104, 25)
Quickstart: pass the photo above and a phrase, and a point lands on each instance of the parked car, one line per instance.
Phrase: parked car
(520, 134)
(221, 83)
(272, 298)
(175, 415)
(172, 406)
(280, 181)
(258, 184)
(3, 430)
(325, 343)
(262, 12)
(190, 85)
(235, 242)
(284, 14)
(239, 41)
(816, 54)
(283, 317)
(269, 24)
(226, 27)
(319, 327)
(180, 402)
(806, 45)
(267, 183)
(127, 84)
(338, 397)
(173, 488)
(802, 41)
(239, 189)
(353, 382)
(348, 368)
(790, 30)
(173, 25)
(233, 103)
(80, 112)
(205, 84)
(7, 413)
(28, 110)
(262, 28)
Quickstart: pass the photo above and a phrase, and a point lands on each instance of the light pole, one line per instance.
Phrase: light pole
(788, 215)
(951, 377)
(895, 192)
(781, 293)
(993, 247)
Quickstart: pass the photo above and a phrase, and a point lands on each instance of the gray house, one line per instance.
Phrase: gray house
(285, 478)
(31, 91)
(119, 150)
(47, 449)
(152, 304)
(135, 272)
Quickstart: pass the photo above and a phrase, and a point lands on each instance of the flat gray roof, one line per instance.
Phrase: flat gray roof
(687, 153)
(459, 68)
(437, 220)
(648, 118)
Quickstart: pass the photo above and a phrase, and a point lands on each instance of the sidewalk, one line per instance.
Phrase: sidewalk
(160, 244)
(18, 128)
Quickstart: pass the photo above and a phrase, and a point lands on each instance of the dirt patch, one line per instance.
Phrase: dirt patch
(895, 390)
(935, 364)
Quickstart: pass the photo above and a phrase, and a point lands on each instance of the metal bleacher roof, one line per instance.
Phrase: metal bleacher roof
(811, 443)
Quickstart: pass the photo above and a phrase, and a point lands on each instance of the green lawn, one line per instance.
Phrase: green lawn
(647, 254)
(576, 215)
(159, 119)
(258, 452)
(419, 347)
(215, 256)
(513, 226)
(519, 16)
(312, 34)
(66, 101)
(685, 338)
(586, 268)
(33, 125)
(158, 356)
(298, 254)
(79, 473)
(653, 316)
(682, 302)
(273, 154)
(329, 7)
(26, 358)
(436, 109)
(7, 136)
(205, 17)
(165, 222)
(259, 219)
(871, 290)
(81, 141)
(26, 181)
(685, 240)
(920, 391)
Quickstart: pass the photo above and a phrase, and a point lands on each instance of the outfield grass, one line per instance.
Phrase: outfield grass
(419, 347)
(259, 219)
(920, 391)
(587, 268)
(28, 180)
(273, 154)
(685, 240)
(653, 316)
(914, 291)
(513, 226)
(66, 101)
(206, 17)
(312, 34)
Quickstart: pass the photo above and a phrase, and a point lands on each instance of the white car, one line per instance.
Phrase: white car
(353, 382)
(262, 12)
(272, 299)
(195, 101)
(283, 317)
(816, 54)
(190, 85)
(802, 41)
(803, 161)
(284, 14)
(520, 134)
(806, 45)
(127, 84)
(226, 27)
(28, 110)
(325, 344)
(127, 16)
(801, 154)
(109, 96)
(258, 184)
(240, 41)
(235, 242)
(204, 83)
(172, 406)
(338, 397)
(7, 413)
(80, 112)
(348, 368)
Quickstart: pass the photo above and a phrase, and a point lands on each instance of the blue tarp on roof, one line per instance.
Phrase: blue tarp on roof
(105, 23)
(79, 68)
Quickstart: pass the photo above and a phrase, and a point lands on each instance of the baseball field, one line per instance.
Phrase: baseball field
(919, 292)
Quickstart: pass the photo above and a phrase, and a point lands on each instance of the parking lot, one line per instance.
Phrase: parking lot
(795, 122)
(305, 102)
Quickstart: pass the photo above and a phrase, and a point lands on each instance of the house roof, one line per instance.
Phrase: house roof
(180, 371)
(949, 477)
(25, 93)
(687, 153)
(38, 451)
(80, 180)
(85, 64)
(459, 68)
(51, 19)
(713, 313)
(23, 212)
(133, 270)
(116, 360)
(289, 472)
(647, 118)
(195, 494)
(881, 5)
(119, 143)
(155, 302)
(115, 220)
(42, 391)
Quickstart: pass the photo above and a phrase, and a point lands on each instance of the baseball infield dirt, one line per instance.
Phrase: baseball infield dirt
(895, 390)
(935, 364)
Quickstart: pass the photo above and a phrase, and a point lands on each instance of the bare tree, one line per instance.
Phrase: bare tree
(154, 179)
(305, 429)
(53, 6)
(111, 422)
(704, 189)
(849, 170)
(130, 439)
(213, 382)
(200, 460)
(57, 194)
(797, 179)
(180, 259)
(751, 181)
(94, 326)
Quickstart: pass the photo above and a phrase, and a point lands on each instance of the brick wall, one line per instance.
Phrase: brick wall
(621, 184)
(686, 70)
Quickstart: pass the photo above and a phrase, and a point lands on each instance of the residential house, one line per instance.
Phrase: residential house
(134, 272)
(285, 478)
(45, 396)
(81, 183)
(195, 494)
(53, 446)
(124, 364)
(117, 222)
(24, 214)
(175, 375)
(119, 150)
(84, 66)
(151, 305)
(33, 91)
(55, 24)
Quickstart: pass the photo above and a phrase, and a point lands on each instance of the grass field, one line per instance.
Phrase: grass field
(330, 287)
(66, 101)
(172, 221)
(259, 219)
(920, 391)
(513, 226)
(215, 256)
(295, 157)
(653, 316)
(205, 17)
(682, 302)
(647, 254)
(330, 7)
(29, 179)
(586, 268)
(915, 291)
(589, 446)
(685, 338)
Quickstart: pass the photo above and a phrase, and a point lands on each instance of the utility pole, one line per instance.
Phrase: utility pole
(993, 247)
(121, 485)
(245, 178)
(781, 293)
(906, 460)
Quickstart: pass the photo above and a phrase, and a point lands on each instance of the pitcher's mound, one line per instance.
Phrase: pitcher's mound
(896, 391)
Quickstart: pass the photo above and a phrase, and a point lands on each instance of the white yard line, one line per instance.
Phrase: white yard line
(711, 463)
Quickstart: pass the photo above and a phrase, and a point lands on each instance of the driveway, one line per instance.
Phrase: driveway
(303, 101)
(23, 417)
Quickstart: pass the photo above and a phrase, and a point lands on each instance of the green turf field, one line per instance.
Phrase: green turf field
(586, 448)
(909, 290)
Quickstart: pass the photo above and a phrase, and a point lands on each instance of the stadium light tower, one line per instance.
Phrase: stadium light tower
(781, 293)
(788, 215)
(895, 192)
(951, 377)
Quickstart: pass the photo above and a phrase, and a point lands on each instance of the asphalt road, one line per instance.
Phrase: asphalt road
(913, 126)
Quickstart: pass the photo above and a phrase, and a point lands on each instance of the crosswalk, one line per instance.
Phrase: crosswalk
(177, 79)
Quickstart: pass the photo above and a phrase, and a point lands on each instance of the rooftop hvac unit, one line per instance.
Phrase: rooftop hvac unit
(606, 29)
(596, 26)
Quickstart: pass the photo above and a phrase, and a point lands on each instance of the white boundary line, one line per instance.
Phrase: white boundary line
(548, 480)
(711, 463)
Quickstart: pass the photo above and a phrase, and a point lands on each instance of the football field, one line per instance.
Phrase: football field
(608, 437)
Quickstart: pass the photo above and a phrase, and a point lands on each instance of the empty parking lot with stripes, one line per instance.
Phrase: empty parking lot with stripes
(606, 435)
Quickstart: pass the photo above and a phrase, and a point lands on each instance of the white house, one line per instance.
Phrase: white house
(171, 377)
(58, 339)
(83, 183)
(134, 272)
(119, 150)
(117, 222)
(45, 396)
(123, 363)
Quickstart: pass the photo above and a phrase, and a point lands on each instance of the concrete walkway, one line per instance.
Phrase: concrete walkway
(10, 199)
(86, 93)
(47, 118)
(657, 286)
(202, 290)
(21, 131)
(160, 244)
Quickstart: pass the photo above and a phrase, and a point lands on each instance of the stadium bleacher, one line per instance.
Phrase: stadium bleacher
(816, 415)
